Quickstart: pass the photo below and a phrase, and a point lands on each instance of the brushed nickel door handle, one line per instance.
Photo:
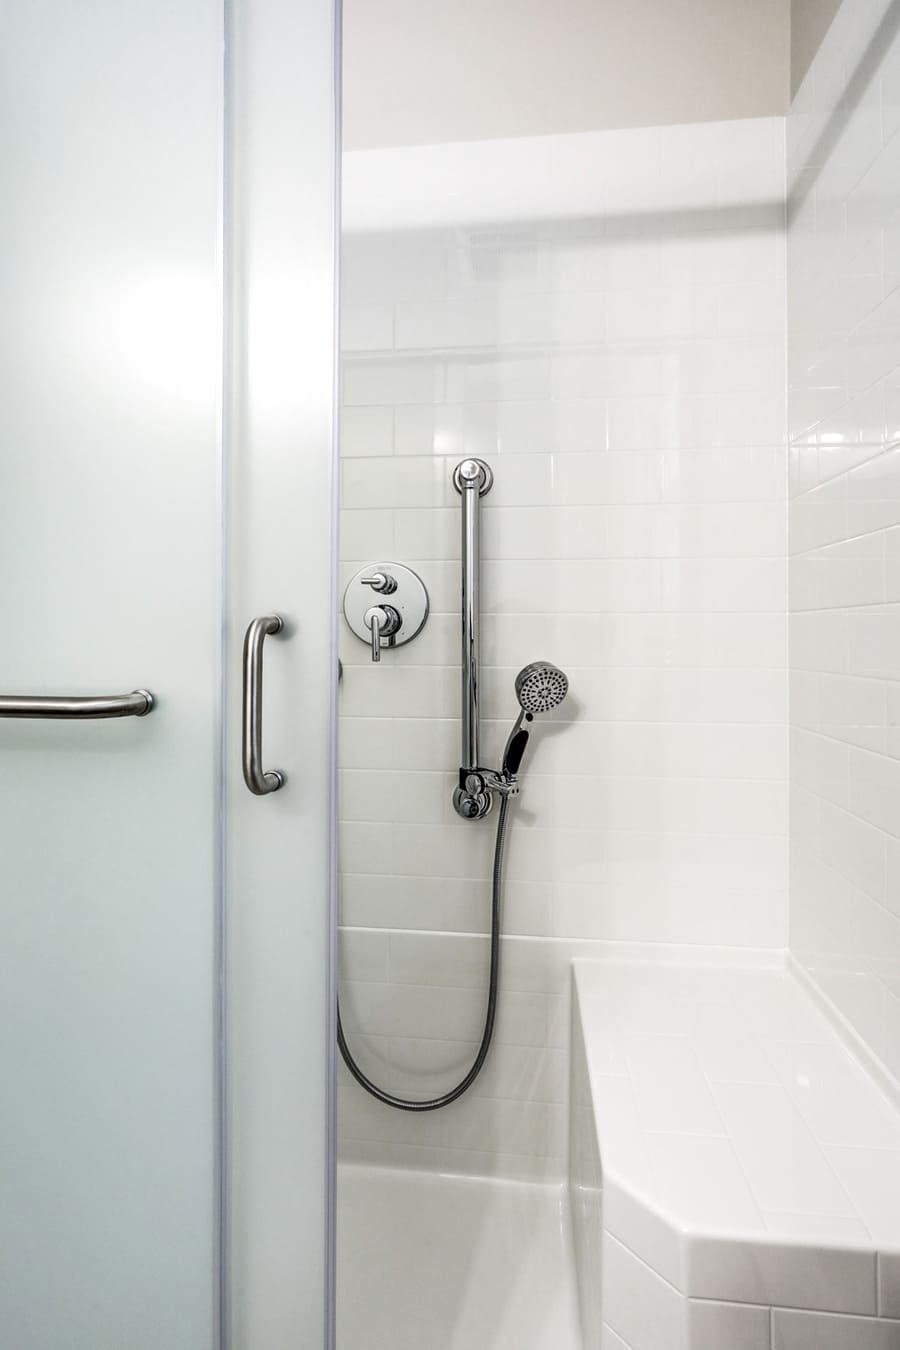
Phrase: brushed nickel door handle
(257, 779)
(137, 704)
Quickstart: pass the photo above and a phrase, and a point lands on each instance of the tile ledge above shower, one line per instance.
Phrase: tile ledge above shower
(723, 1134)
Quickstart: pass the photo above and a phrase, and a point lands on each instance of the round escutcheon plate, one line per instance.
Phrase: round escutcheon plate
(408, 597)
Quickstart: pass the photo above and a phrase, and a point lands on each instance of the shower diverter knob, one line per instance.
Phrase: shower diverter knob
(381, 582)
(385, 625)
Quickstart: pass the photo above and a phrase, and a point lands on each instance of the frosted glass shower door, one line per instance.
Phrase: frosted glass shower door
(109, 166)
(132, 189)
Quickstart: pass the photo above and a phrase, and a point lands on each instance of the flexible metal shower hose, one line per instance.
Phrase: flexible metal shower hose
(434, 1103)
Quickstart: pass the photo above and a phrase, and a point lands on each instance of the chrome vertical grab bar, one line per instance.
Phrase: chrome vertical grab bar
(472, 479)
(258, 781)
(136, 704)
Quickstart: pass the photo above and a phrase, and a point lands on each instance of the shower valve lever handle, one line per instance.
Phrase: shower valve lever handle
(382, 621)
(374, 622)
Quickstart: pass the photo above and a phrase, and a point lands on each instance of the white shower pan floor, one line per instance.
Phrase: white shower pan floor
(433, 1262)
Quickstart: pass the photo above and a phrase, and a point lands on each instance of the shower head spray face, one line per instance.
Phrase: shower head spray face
(541, 687)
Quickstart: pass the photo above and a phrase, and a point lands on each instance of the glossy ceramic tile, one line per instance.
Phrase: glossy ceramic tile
(624, 379)
(889, 1284)
(638, 1304)
(843, 363)
(713, 1326)
(821, 1331)
(429, 1262)
(745, 1204)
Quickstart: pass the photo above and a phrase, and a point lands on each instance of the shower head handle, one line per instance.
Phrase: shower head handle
(515, 749)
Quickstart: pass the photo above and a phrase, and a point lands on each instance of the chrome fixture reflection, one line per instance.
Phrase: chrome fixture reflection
(137, 704)
(472, 479)
(257, 779)
(386, 624)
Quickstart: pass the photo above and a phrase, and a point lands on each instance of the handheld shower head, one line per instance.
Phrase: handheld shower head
(540, 687)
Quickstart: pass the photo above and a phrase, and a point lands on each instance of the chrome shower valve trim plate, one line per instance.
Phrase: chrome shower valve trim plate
(386, 605)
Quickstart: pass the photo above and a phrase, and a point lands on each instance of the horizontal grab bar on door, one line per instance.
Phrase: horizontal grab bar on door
(136, 704)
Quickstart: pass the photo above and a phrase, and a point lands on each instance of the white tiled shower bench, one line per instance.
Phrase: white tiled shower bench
(735, 1174)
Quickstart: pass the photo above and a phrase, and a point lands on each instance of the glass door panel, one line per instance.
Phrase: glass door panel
(108, 538)
(280, 260)
(113, 539)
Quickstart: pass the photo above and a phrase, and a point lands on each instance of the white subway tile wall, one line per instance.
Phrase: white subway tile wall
(624, 377)
(843, 143)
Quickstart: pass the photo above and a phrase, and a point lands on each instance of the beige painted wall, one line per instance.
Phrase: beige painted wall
(420, 71)
(810, 21)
